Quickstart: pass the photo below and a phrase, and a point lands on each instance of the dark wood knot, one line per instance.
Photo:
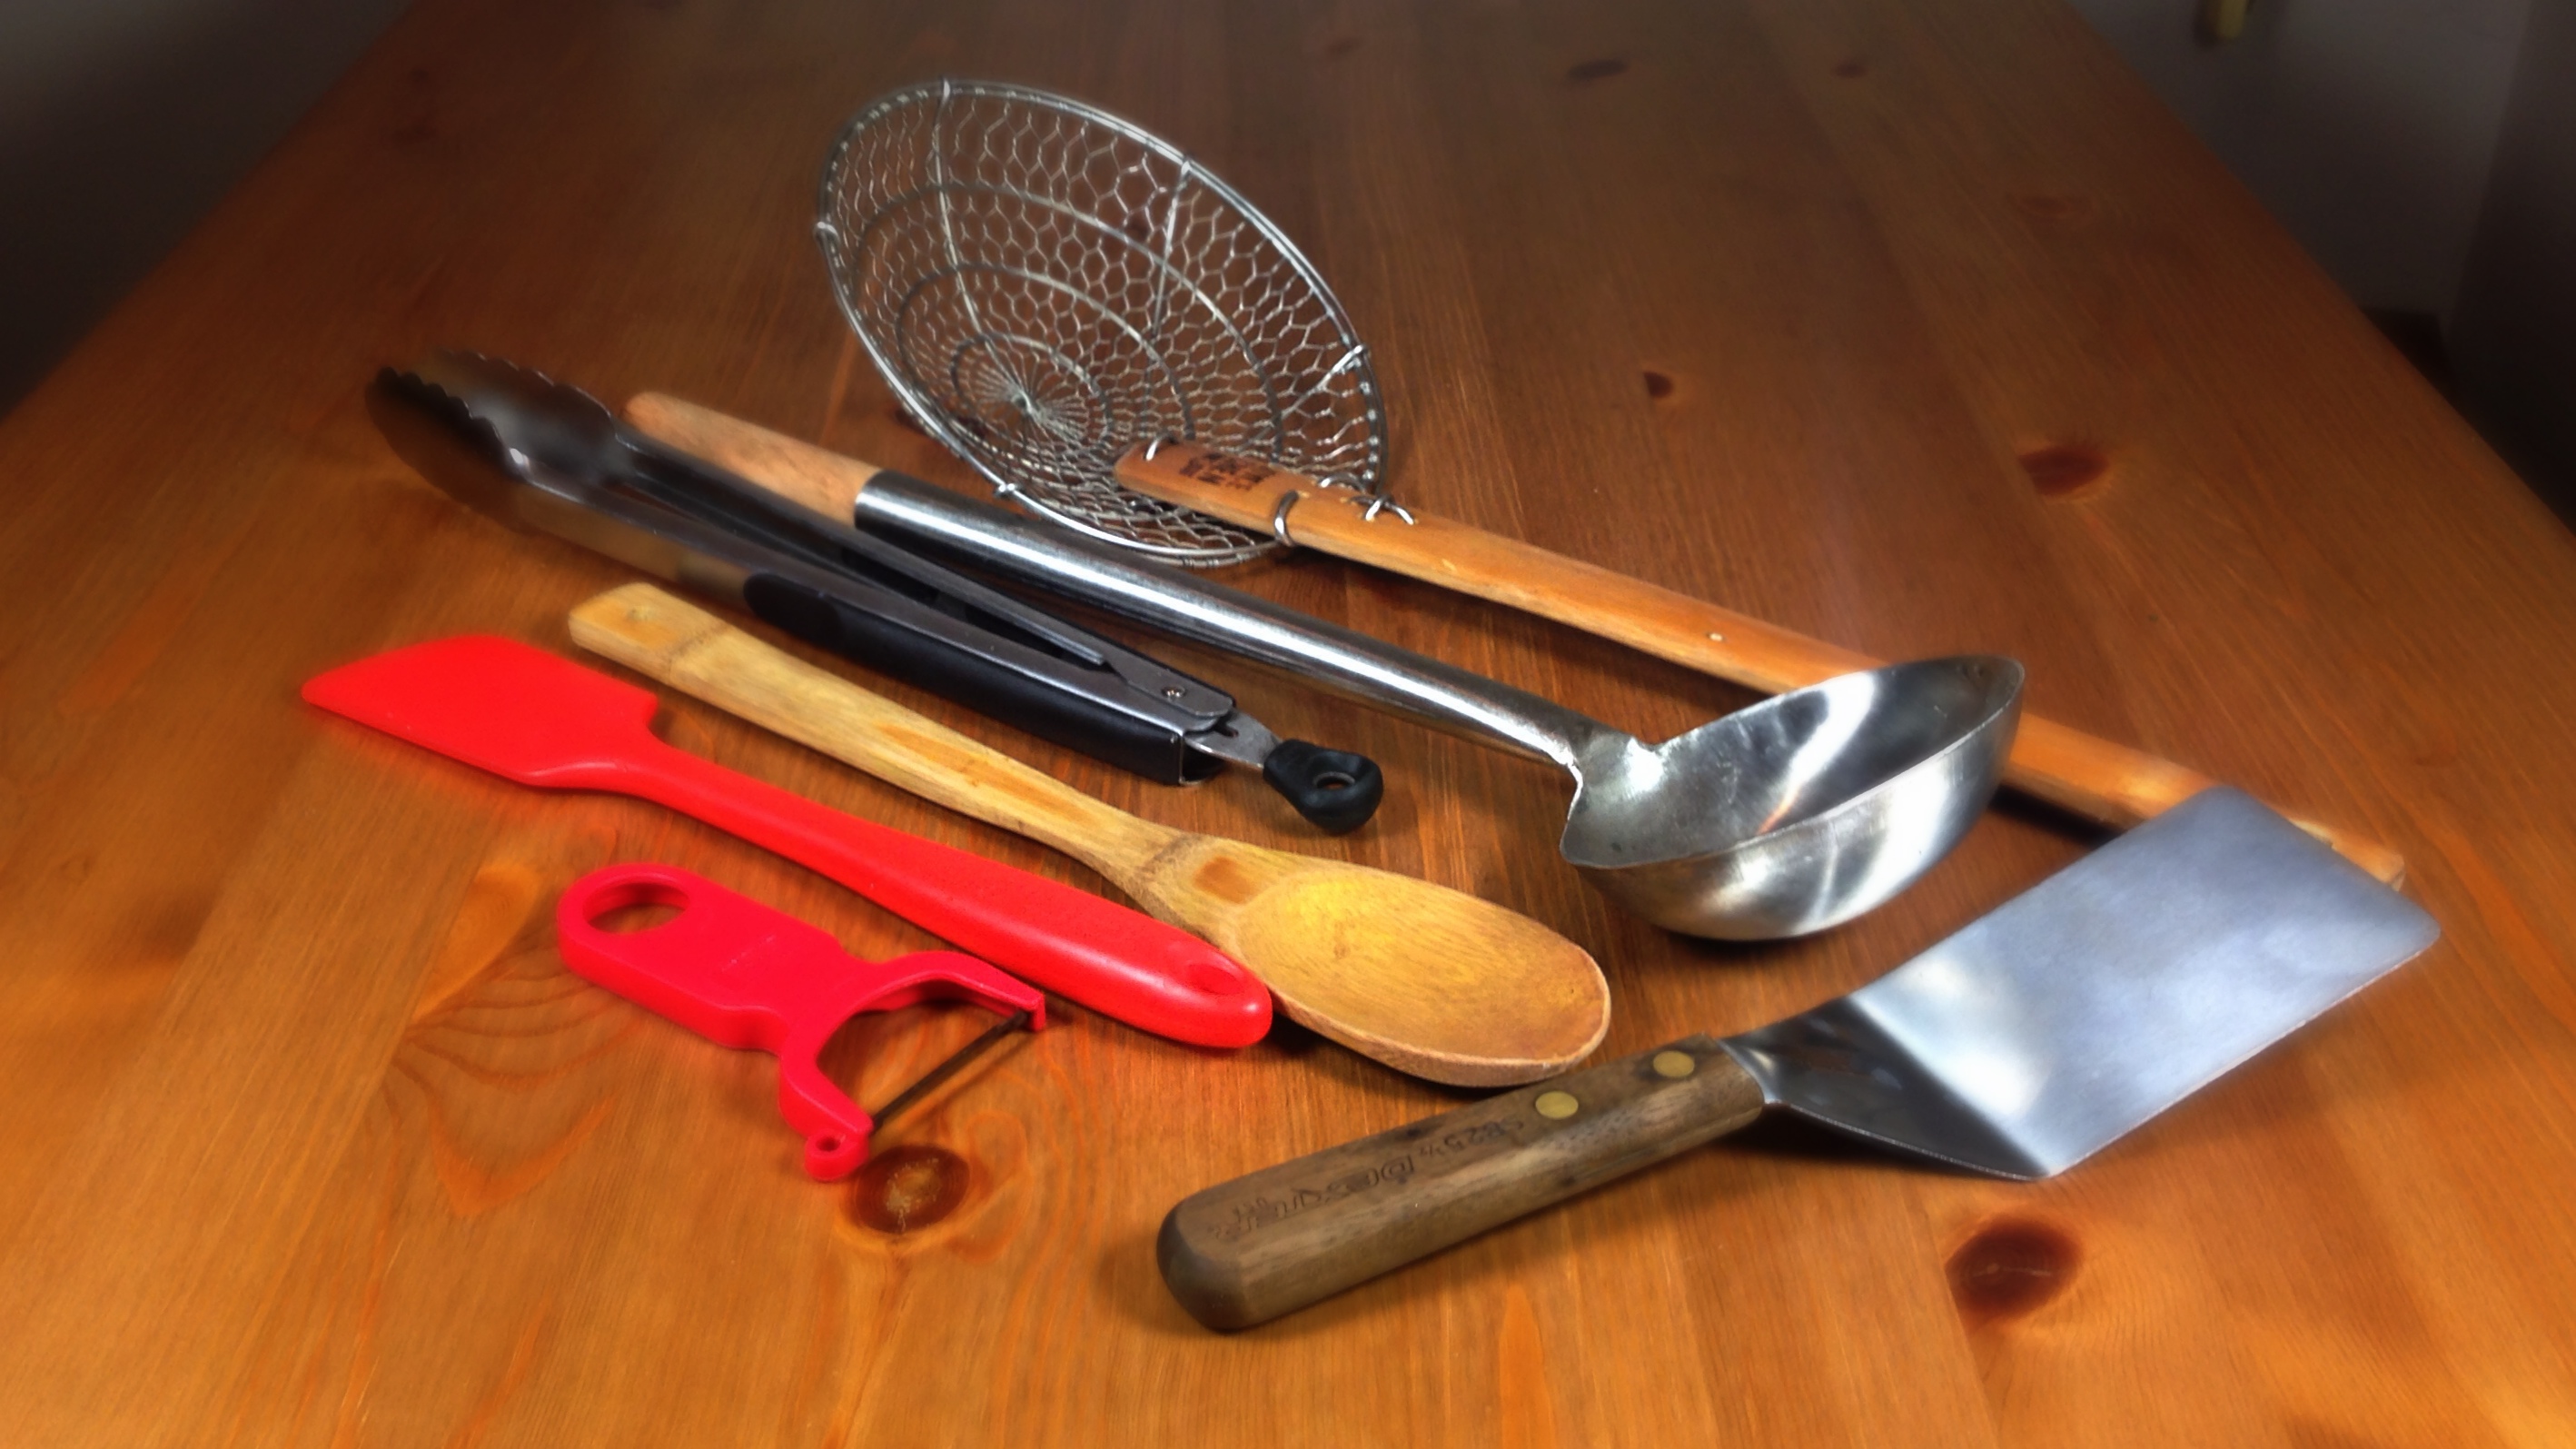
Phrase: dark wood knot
(908, 1187)
(2009, 1268)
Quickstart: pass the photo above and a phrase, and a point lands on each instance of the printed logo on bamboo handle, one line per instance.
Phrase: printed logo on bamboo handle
(1225, 470)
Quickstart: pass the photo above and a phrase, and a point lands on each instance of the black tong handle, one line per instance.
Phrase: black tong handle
(945, 632)
(982, 684)
(1335, 790)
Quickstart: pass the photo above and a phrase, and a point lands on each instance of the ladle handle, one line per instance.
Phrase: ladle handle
(1174, 600)
(2109, 782)
(1247, 1251)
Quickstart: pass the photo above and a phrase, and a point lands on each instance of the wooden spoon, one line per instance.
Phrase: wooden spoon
(1423, 978)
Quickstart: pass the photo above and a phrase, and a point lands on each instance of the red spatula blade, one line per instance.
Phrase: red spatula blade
(497, 704)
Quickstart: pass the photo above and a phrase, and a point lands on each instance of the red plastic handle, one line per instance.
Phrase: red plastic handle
(1111, 958)
(745, 976)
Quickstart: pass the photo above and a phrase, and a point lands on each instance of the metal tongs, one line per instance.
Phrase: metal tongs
(540, 455)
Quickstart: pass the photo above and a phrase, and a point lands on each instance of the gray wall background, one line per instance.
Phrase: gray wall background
(2424, 151)
(121, 123)
(2366, 126)
(2513, 333)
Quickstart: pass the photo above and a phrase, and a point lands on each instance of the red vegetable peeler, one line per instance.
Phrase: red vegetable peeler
(743, 975)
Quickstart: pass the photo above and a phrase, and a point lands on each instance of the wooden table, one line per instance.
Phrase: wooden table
(1917, 328)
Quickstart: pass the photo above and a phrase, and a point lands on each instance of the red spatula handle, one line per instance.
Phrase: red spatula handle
(1114, 960)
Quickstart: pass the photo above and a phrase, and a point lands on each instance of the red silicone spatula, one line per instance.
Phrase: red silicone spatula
(524, 714)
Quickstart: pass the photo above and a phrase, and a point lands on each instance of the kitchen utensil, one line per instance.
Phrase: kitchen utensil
(1055, 293)
(2111, 783)
(1425, 979)
(1042, 284)
(742, 975)
(1791, 816)
(528, 716)
(2018, 1047)
(537, 454)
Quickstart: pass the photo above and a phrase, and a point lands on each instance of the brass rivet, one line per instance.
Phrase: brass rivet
(1675, 1065)
(1556, 1105)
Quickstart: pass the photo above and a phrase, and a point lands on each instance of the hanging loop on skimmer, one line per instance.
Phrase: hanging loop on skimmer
(1045, 285)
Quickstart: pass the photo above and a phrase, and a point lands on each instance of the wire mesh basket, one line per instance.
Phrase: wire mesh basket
(1045, 285)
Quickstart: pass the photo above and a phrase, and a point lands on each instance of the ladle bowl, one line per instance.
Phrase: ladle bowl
(1800, 812)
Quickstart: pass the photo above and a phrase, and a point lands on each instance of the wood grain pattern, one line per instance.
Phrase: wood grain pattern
(1917, 328)
(1432, 982)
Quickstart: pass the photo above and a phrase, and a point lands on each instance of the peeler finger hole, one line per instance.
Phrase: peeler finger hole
(831, 1156)
(636, 905)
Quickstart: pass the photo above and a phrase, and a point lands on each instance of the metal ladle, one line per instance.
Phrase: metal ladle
(1790, 816)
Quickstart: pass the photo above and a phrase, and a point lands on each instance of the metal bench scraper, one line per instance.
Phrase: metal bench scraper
(2018, 1047)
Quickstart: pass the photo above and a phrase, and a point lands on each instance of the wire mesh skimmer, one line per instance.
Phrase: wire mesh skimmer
(1045, 285)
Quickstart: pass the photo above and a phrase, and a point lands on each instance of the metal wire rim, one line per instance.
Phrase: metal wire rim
(1043, 285)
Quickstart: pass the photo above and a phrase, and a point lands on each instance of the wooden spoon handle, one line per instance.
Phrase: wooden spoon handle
(1246, 1251)
(682, 645)
(2111, 783)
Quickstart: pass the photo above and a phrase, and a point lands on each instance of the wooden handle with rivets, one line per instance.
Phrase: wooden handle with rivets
(1247, 1251)
(2094, 777)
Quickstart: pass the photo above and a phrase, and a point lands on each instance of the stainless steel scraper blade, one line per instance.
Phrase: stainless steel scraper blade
(2114, 989)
